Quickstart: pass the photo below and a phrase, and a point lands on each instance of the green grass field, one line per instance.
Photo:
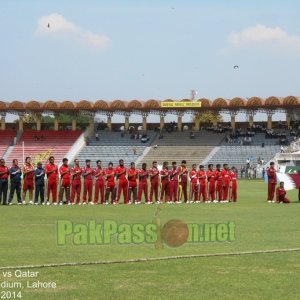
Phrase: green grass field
(29, 237)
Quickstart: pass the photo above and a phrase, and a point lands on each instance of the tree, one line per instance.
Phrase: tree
(208, 117)
(62, 118)
(296, 115)
(66, 118)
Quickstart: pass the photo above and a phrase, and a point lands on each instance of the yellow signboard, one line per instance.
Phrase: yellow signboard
(185, 104)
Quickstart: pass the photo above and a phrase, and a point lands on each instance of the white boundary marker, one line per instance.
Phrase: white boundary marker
(137, 260)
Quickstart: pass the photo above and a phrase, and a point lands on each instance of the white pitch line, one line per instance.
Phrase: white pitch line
(137, 260)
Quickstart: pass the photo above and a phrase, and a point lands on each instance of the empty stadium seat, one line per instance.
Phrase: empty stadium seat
(110, 153)
(237, 155)
(200, 138)
(107, 138)
(192, 154)
(39, 145)
(6, 140)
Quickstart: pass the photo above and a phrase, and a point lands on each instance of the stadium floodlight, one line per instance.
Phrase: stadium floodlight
(193, 95)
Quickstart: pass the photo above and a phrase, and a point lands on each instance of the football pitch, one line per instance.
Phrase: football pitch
(52, 252)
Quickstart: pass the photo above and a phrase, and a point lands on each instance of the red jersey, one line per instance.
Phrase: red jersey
(202, 177)
(272, 175)
(89, 171)
(164, 172)
(110, 171)
(154, 173)
(232, 176)
(99, 173)
(210, 176)
(74, 170)
(184, 176)
(51, 171)
(132, 174)
(225, 177)
(280, 194)
(174, 174)
(143, 175)
(193, 176)
(63, 169)
(28, 168)
(6, 172)
(218, 175)
(119, 170)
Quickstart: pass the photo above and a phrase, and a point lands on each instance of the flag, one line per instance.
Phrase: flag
(290, 176)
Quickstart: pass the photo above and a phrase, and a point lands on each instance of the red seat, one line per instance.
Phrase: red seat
(39, 145)
(6, 139)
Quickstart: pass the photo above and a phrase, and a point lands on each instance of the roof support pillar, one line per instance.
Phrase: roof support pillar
(109, 123)
(126, 124)
(3, 124)
(162, 120)
(269, 122)
(232, 119)
(21, 123)
(288, 115)
(144, 115)
(179, 120)
(56, 122)
(74, 123)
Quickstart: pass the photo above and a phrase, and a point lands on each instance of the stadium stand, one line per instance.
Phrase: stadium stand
(191, 146)
(110, 153)
(106, 138)
(41, 144)
(191, 138)
(193, 154)
(6, 140)
(272, 137)
(238, 155)
(112, 146)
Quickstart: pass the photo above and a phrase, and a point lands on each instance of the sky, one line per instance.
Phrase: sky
(148, 49)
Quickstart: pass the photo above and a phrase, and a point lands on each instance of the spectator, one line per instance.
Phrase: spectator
(242, 171)
(281, 149)
(97, 136)
(155, 147)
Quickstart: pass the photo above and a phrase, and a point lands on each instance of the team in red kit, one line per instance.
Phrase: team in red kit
(108, 185)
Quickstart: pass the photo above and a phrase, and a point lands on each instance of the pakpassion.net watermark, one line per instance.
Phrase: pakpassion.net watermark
(173, 233)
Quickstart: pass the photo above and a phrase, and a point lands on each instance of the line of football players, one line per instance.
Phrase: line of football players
(168, 184)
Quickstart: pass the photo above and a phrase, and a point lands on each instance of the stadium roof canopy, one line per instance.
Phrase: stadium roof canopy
(152, 106)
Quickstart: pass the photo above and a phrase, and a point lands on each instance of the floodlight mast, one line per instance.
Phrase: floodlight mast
(193, 95)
